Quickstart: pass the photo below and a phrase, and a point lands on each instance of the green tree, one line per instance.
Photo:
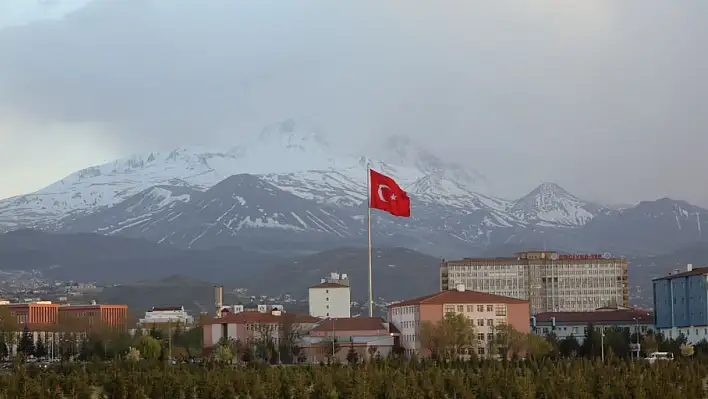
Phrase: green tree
(26, 343)
(223, 354)
(569, 347)
(149, 348)
(40, 348)
(448, 337)
(352, 354)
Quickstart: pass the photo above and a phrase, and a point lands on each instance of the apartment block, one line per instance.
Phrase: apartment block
(552, 282)
(485, 310)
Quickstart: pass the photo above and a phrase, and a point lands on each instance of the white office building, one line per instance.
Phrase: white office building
(331, 297)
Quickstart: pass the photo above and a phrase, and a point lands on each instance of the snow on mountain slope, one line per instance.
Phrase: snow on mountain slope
(237, 206)
(292, 156)
(401, 150)
(550, 205)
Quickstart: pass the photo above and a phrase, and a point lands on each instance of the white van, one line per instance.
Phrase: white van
(653, 357)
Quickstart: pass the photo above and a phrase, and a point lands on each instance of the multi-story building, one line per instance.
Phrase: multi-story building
(681, 304)
(250, 326)
(487, 311)
(575, 324)
(552, 282)
(367, 336)
(331, 298)
(87, 317)
(166, 316)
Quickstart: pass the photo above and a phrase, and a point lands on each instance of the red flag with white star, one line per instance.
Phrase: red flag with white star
(386, 195)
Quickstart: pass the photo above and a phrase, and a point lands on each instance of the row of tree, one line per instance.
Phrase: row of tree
(380, 378)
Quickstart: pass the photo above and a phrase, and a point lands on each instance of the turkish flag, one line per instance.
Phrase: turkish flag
(387, 196)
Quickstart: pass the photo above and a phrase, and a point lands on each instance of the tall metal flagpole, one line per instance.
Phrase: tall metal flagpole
(368, 205)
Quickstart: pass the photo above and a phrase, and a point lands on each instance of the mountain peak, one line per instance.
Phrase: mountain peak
(549, 189)
(551, 204)
(293, 134)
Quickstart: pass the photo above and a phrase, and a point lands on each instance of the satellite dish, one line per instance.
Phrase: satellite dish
(554, 256)
(607, 255)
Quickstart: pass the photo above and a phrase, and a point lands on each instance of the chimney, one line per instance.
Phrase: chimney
(689, 267)
(460, 287)
(218, 299)
(677, 271)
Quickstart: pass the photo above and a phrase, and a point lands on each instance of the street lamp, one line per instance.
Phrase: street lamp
(602, 343)
(636, 322)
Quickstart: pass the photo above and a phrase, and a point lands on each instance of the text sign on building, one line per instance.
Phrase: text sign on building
(581, 257)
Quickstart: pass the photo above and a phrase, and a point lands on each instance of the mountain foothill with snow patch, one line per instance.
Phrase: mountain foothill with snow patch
(289, 191)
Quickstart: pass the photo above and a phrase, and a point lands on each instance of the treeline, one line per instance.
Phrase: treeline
(381, 378)
(102, 343)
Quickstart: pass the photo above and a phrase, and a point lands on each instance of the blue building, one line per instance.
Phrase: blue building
(681, 304)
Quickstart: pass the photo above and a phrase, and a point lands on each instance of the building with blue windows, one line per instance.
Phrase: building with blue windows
(681, 304)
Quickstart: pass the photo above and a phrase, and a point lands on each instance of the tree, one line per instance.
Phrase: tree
(149, 348)
(569, 346)
(649, 343)
(133, 355)
(26, 344)
(223, 354)
(449, 336)
(290, 335)
(687, 350)
(331, 347)
(352, 354)
(508, 342)
(40, 348)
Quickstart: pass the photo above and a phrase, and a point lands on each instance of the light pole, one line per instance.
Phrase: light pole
(636, 348)
(602, 343)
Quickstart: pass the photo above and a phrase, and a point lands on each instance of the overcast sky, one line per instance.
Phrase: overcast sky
(606, 97)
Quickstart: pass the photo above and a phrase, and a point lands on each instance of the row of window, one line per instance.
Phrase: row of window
(499, 310)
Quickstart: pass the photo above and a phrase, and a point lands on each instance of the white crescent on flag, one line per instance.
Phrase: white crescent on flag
(381, 196)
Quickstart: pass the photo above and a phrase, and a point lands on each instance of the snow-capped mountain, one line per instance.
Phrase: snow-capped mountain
(289, 187)
(293, 157)
(550, 205)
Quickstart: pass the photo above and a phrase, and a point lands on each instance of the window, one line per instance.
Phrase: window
(470, 308)
(490, 322)
(490, 308)
(490, 337)
(500, 310)
(449, 309)
(327, 299)
(480, 350)
(480, 337)
(480, 308)
(480, 322)
(326, 291)
(460, 308)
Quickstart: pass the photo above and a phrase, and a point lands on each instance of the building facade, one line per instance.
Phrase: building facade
(550, 281)
(166, 316)
(367, 336)
(486, 311)
(94, 315)
(681, 304)
(250, 326)
(331, 298)
(575, 324)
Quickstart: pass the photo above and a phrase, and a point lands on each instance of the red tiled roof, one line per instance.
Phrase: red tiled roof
(695, 272)
(599, 316)
(329, 285)
(265, 318)
(352, 324)
(454, 296)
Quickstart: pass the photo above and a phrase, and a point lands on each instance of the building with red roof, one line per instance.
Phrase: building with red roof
(485, 310)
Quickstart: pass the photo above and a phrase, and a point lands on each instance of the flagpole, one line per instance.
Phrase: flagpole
(368, 206)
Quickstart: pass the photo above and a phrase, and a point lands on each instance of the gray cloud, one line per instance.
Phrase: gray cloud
(602, 97)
